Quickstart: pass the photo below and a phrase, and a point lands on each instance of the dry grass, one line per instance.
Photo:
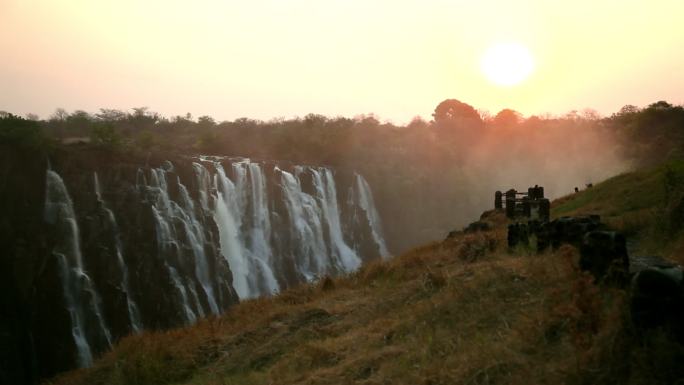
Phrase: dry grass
(459, 311)
(646, 205)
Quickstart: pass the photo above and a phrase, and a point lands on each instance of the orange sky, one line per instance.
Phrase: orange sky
(278, 58)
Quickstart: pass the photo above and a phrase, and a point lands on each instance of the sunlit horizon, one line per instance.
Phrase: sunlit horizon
(269, 59)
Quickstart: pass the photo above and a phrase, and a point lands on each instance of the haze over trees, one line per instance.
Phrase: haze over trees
(455, 160)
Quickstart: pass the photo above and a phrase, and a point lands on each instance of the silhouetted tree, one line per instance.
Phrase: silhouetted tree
(142, 118)
(60, 114)
(78, 123)
(452, 110)
(507, 117)
(590, 114)
(110, 115)
(106, 136)
(206, 121)
(417, 123)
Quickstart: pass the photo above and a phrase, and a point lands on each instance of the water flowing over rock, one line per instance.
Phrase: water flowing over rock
(364, 200)
(133, 312)
(244, 226)
(125, 248)
(81, 299)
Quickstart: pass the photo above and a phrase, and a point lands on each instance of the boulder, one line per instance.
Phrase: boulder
(604, 255)
(571, 230)
(657, 299)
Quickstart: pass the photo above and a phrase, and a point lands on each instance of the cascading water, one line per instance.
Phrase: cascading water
(242, 231)
(81, 298)
(247, 250)
(132, 307)
(257, 230)
(326, 192)
(190, 316)
(168, 215)
(306, 227)
(228, 221)
(364, 197)
(195, 235)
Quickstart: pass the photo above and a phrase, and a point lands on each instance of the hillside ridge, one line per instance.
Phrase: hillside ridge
(462, 310)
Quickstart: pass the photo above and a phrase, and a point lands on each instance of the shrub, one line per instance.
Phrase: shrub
(15, 130)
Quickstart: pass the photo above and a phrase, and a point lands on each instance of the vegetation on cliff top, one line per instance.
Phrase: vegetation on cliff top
(465, 310)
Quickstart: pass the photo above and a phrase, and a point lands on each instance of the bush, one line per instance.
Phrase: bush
(17, 131)
(106, 136)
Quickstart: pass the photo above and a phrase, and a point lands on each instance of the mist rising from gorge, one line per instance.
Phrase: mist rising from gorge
(428, 177)
(558, 154)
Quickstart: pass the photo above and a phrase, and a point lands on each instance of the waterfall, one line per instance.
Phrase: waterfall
(190, 316)
(365, 201)
(307, 228)
(132, 307)
(227, 219)
(326, 192)
(259, 233)
(203, 184)
(82, 301)
(195, 235)
(247, 251)
(267, 227)
(165, 212)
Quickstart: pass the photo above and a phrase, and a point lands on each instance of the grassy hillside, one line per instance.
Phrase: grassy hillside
(461, 311)
(647, 206)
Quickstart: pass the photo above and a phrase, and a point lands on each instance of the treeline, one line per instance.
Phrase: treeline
(456, 160)
(645, 135)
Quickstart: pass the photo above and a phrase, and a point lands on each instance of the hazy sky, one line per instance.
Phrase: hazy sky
(283, 58)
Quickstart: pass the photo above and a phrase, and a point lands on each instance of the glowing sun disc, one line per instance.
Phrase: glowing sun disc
(507, 64)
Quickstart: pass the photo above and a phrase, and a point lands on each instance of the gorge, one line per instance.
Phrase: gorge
(101, 250)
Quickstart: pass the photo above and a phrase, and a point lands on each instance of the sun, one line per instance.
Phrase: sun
(507, 64)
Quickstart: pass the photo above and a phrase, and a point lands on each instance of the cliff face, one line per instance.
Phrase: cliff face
(122, 281)
(24, 245)
(97, 246)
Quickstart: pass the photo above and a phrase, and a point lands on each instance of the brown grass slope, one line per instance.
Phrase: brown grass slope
(462, 311)
(459, 311)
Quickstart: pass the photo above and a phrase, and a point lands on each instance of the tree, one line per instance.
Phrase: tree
(110, 115)
(452, 110)
(314, 120)
(591, 114)
(78, 123)
(206, 121)
(457, 126)
(660, 105)
(60, 114)
(507, 118)
(142, 118)
(104, 135)
(417, 123)
(572, 115)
